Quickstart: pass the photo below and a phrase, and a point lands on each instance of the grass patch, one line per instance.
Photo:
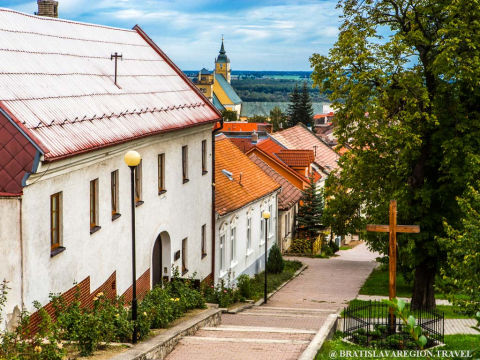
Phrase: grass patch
(273, 280)
(377, 284)
(450, 312)
(346, 247)
(452, 342)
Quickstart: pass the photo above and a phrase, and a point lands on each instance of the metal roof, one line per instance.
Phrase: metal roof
(57, 82)
(229, 90)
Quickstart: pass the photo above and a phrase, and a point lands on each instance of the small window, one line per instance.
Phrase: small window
(262, 229)
(161, 174)
(114, 194)
(233, 241)
(94, 206)
(204, 157)
(204, 241)
(185, 163)
(184, 256)
(55, 222)
(222, 252)
(249, 232)
(138, 184)
(269, 221)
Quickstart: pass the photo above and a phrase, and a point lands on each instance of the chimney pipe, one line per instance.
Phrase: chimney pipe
(47, 8)
(254, 137)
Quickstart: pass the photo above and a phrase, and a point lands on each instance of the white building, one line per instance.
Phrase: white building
(65, 126)
(242, 193)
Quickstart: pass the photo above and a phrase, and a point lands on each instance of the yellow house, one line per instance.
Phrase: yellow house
(215, 85)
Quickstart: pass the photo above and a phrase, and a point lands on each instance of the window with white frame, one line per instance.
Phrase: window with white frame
(269, 221)
(233, 243)
(249, 230)
(262, 229)
(222, 248)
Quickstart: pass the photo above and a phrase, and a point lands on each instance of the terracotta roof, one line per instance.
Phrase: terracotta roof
(296, 158)
(244, 144)
(242, 126)
(270, 146)
(56, 80)
(234, 194)
(299, 137)
(289, 195)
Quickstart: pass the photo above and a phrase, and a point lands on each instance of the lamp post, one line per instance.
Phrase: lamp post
(265, 216)
(132, 159)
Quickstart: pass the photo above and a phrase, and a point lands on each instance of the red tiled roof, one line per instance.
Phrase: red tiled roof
(319, 116)
(296, 158)
(289, 195)
(299, 137)
(234, 194)
(316, 175)
(242, 126)
(270, 146)
(243, 144)
(56, 80)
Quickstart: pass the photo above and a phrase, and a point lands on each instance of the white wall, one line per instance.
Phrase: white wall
(181, 212)
(248, 261)
(10, 254)
(286, 232)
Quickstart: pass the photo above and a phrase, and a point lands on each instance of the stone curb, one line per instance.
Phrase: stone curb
(240, 308)
(325, 332)
(161, 345)
(298, 272)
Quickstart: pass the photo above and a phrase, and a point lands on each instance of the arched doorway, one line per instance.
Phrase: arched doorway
(161, 259)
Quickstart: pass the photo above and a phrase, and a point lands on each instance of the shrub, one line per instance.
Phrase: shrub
(275, 262)
(244, 284)
(222, 294)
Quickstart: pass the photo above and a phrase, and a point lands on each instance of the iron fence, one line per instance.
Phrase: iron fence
(367, 323)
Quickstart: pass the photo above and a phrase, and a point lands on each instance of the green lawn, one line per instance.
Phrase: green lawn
(273, 280)
(377, 284)
(450, 312)
(332, 349)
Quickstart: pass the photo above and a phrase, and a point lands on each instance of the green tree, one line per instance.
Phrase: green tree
(305, 108)
(310, 213)
(408, 108)
(461, 271)
(258, 119)
(229, 115)
(278, 119)
(293, 111)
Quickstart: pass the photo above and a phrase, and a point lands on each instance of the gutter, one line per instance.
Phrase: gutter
(214, 132)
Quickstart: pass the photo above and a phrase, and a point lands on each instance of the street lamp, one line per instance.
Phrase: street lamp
(132, 159)
(265, 216)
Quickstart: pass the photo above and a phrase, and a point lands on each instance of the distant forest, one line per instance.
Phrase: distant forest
(270, 86)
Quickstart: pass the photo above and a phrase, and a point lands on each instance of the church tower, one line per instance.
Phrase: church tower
(222, 64)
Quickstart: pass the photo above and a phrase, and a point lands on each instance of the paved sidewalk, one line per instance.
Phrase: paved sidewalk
(283, 328)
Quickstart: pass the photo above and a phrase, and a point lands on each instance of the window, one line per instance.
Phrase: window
(233, 241)
(249, 232)
(286, 224)
(184, 256)
(114, 194)
(222, 248)
(204, 241)
(161, 174)
(262, 229)
(269, 221)
(138, 184)
(185, 163)
(55, 222)
(94, 206)
(204, 157)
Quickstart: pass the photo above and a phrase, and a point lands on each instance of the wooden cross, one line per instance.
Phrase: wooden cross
(116, 57)
(392, 228)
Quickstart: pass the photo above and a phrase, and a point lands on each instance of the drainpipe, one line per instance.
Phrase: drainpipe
(214, 132)
(22, 262)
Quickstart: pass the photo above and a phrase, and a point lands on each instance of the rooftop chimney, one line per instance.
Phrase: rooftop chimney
(254, 137)
(48, 8)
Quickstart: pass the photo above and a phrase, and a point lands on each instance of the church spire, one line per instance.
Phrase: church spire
(222, 56)
(222, 48)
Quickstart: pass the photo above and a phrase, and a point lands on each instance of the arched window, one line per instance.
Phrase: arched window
(249, 229)
(233, 240)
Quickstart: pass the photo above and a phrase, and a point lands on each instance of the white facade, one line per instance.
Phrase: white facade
(177, 214)
(235, 252)
(286, 226)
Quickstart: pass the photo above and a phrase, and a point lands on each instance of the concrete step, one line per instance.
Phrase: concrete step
(254, 334)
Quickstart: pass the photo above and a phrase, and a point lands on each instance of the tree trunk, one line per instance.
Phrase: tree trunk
(423, 296)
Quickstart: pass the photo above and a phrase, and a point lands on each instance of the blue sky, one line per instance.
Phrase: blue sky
(259, 34)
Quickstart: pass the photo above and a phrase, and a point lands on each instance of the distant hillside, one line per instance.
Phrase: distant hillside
(263, 108)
